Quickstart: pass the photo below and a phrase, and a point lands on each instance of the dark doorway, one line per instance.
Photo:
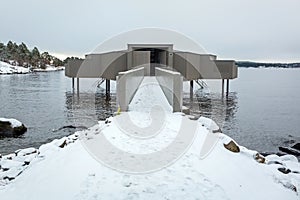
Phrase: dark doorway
(157, 58)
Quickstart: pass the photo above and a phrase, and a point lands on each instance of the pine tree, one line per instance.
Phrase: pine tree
(45, 59)
(10, 50)
(23, 55)
(35, 57)
(57, 62)
(2, 52)
(19, 54)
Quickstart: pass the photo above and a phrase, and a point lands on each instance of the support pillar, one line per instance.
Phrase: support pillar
(77, 85)
(73, 84)
(222, 87)
(107, 89)
(227, 88)
(191, 90)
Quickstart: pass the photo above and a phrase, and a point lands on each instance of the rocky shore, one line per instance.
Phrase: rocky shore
(11, 128)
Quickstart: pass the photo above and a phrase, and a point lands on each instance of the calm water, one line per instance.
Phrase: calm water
(261, 112)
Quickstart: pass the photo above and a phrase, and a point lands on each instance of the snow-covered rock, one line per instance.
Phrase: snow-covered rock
(209, 124)
(24, 152)
(6, 68)
(11, 127)
(13, 165)
(14, 123)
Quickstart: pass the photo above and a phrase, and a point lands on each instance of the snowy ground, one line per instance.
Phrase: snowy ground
(6, 68)
(70, 168)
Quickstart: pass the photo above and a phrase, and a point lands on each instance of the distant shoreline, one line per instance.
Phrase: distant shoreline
(248, 64)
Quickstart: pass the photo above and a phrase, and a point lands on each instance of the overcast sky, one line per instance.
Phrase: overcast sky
(259, 30)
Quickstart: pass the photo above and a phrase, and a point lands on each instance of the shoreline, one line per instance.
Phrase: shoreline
(8, 69)
(282, 172)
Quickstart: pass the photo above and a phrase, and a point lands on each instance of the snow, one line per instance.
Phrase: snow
(6, 68)
(74, 171)
(7, 164)
(14, 123)
(25, 152)
(49, 68)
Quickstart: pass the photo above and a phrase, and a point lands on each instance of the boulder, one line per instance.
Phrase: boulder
(296, 146)
(11, 128)
(210, 125)
(232, 146)
(284, 170)
(291, 151)
(259, 158)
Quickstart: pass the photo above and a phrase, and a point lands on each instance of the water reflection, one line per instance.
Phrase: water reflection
(220, 108)
(262, 113)
(86, 109)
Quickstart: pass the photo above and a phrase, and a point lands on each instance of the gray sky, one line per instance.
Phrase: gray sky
(260, 30)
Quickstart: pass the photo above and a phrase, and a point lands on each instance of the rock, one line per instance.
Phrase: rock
(107, 121)
(217, 131)
(210, 125)
(12, 173)
(29, 158)
(7, 129)
(290, 151)
(274, 163)
(69, 127)
(296, 146)
(61, 142)
(25, 152)
(273, 153)
(259, 158)
(290, 158)
(191, 117)
(9, 156)
(232, 146)
(8, 164)
(290, 186)
(185, 110)
(284, 170)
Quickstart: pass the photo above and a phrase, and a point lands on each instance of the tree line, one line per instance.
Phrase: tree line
(256, 64)
(19, 54)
